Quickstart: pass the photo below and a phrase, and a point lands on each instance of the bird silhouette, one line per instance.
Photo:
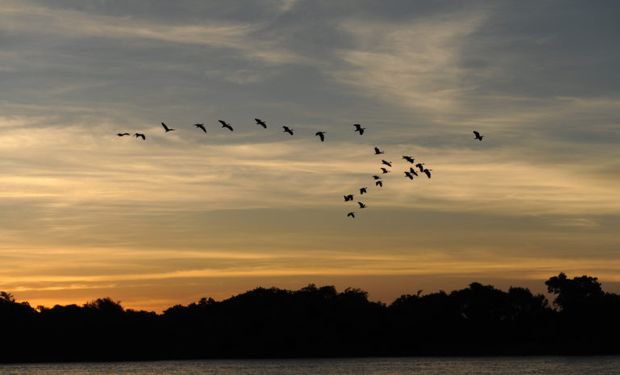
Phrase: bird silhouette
(140, 135)
(413, 172)
(376, 177)
(201, 126)
(478, 136)
(363, 190)
(420, 166)
(320, 135)
(287, 130)
(378, 151)
(410, 159)
(359, 129)
(388, 163)
(407, 174)
(225, 125)
(351, 215)
(261, 123)
(384, 170)
(362, 205)
(166, 128)
(348, 197)
(379, 183)
(427, 172)
(122, 134)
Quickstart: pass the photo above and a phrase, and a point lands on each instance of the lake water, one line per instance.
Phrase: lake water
(365, 366)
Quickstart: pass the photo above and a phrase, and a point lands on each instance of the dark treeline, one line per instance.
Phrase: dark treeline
(319, 321)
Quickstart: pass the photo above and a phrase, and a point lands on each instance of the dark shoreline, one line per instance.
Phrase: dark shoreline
(320, 322)
(319, 359)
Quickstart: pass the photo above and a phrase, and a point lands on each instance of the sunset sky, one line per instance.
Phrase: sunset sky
(184, 215)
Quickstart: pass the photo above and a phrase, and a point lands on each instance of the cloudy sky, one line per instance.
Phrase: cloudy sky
(86, 214)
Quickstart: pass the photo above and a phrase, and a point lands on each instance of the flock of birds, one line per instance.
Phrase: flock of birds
(410, 173)
(226, 125)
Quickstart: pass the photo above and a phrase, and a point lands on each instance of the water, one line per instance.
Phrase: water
(365, 366)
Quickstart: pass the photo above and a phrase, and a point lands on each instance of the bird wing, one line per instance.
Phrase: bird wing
(476, 133)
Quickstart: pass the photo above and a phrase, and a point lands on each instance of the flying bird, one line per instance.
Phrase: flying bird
(166, 128)
(427, 172)
(225, 125)
(359, 129)
(379, 183)
(348, 197)
(378, 151)
(376, 177)
(201, 127)
(420, 166)
(261, 123)
(478, 136)
(122, 134)
(388, 163)
(140, 135)
(410, 159)
(363, 190)
(407, 174)
(413, 172)
(362, 205)
(287, 130)
(384, 170)
(351, 215)
(320, 135)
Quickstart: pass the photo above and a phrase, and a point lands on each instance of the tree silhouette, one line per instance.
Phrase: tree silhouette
(575, 294)
(321, 321)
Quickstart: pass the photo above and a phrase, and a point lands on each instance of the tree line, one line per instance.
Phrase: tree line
(322, 322)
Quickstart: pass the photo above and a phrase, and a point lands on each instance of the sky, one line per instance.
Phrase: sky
(184, 215)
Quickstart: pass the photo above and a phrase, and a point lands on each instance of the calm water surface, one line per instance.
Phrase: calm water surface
(391, 366)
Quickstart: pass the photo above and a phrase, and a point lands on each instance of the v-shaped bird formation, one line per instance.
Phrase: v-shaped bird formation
(385, 166)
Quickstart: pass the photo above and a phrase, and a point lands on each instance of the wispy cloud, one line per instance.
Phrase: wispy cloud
(30, 18)
(415, 64)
